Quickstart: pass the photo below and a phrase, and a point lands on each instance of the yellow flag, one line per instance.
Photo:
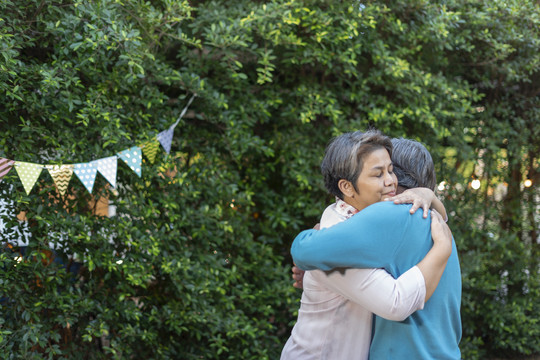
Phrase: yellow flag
(61, 175)
(150, 149)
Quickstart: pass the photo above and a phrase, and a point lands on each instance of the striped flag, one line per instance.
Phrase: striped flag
(150, 149)
(61, 176)
(5, 166)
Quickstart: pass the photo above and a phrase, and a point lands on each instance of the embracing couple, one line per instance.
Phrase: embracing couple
(383, 279)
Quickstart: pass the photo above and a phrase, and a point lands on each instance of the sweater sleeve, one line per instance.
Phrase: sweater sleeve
(369, 239)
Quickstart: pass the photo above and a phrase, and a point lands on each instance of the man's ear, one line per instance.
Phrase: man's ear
(346, 187)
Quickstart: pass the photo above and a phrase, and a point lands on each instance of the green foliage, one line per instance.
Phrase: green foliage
(195, 262)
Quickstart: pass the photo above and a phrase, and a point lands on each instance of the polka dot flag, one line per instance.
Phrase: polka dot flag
(107, 168)
(165, 139)
(133, 158)
(86, 172)
(28, 173)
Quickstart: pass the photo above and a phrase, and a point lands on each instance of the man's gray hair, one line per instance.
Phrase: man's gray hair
(413, 164)
(344, 157)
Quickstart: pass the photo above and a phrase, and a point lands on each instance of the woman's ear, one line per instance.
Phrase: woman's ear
(346, 187)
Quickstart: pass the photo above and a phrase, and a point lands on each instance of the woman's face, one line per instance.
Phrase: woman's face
(376, 182)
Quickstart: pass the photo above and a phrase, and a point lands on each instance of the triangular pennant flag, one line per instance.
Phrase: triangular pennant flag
(107, 168)
(86, 172)
(28, 173)
(61, 175)
(5, 166)
(150, 149)
(133, 158)
(165, 138)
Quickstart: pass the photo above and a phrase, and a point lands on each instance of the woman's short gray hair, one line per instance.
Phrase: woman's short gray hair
(344, 157)
(413, 164)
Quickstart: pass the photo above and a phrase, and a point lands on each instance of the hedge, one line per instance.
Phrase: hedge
(193, 260)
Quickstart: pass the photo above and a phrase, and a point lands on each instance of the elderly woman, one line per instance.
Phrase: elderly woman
(337, 307)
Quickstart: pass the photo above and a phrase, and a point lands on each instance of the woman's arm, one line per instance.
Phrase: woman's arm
(377, 291)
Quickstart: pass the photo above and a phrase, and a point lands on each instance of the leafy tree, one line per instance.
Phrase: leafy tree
(195, 262)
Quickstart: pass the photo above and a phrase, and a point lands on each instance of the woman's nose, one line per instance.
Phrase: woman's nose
(388, 179)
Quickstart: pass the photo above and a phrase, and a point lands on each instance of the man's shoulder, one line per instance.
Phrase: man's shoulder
(388, 207)
(398, 214)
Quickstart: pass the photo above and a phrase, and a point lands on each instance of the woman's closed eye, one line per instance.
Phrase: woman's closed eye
(379, 175)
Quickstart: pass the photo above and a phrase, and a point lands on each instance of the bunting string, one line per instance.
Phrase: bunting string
(165, 137)
(86, 172)
(184, 111)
